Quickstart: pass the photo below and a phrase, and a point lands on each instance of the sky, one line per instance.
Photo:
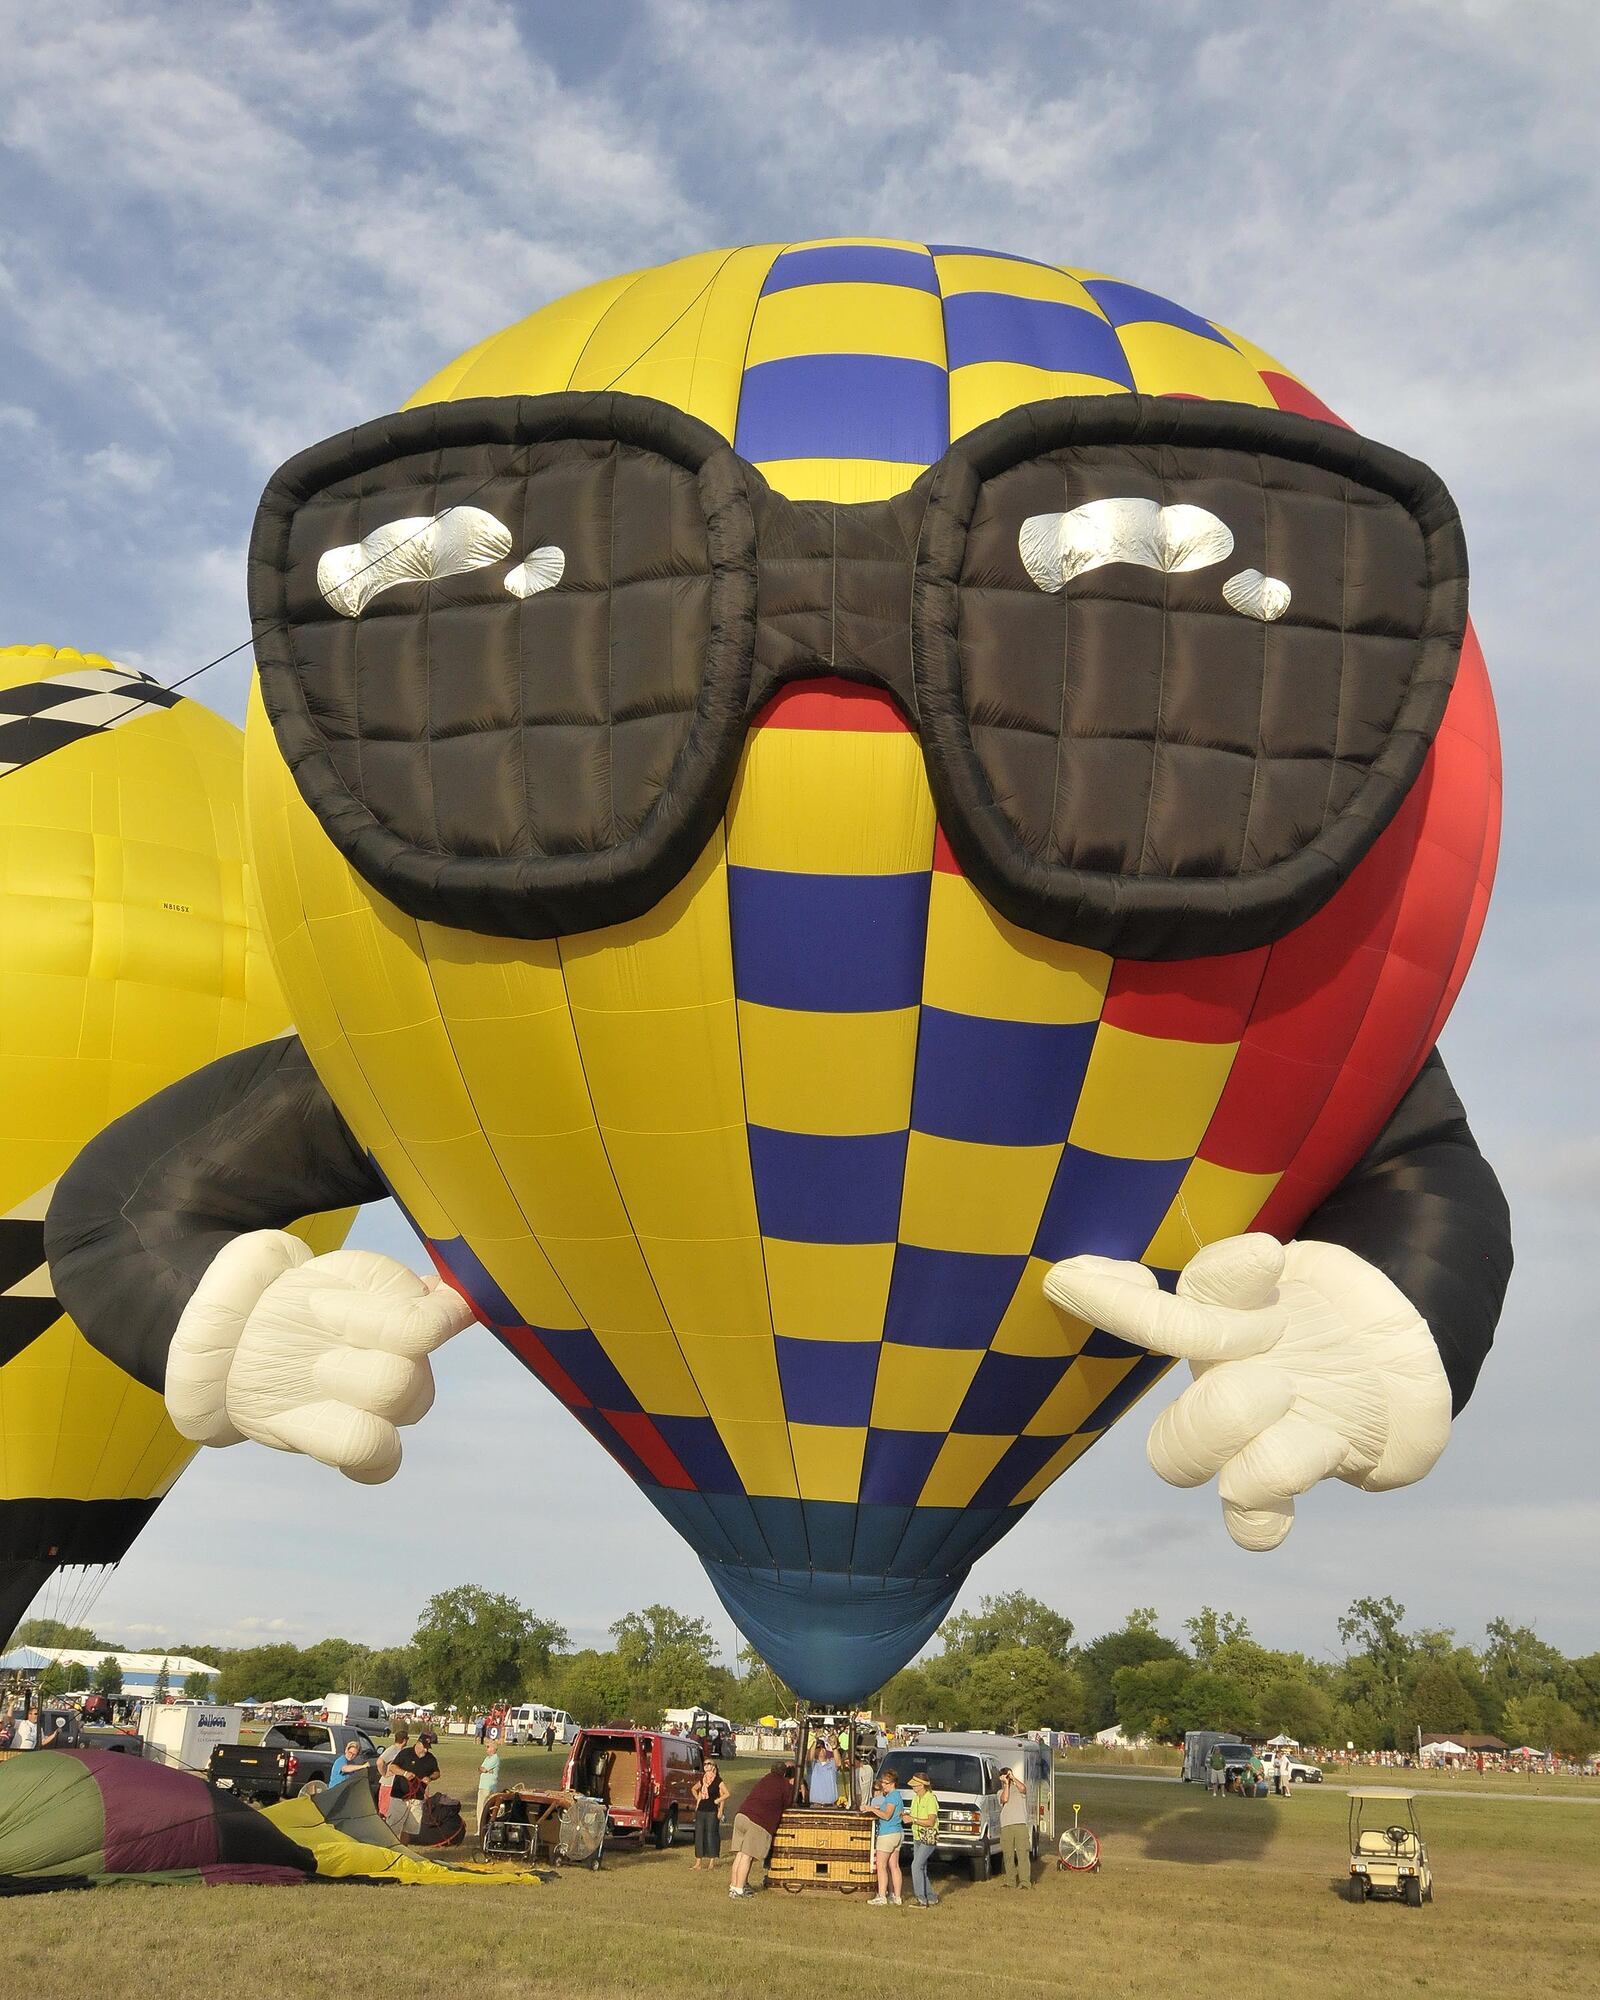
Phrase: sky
(228, 231)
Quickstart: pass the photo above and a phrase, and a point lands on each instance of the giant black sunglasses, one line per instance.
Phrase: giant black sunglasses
(1172, 664)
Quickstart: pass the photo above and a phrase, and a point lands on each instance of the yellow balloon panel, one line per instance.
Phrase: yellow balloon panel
(129, 957)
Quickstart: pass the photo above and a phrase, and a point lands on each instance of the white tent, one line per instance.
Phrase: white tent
(1283, 1743)
(1433, 1751)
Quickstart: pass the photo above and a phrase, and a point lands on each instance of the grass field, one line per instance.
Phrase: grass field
(1225, 1897)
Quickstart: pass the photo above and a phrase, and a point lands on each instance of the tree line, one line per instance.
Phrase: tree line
(1013, 1663)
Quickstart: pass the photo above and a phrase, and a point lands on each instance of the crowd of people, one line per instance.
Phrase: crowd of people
(1264, 1771)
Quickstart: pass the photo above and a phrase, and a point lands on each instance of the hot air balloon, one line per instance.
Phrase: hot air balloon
(127, 958)
(793, 792)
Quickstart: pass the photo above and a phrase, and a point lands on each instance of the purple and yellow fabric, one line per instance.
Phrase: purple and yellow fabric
(69, 1817)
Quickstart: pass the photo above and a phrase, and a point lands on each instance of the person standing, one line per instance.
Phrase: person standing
(488, 1781)
(1016, 1863)
(887, 1807)
(710, 1801)
(923, 1813)
(1216, 1771)
(755, 1823)
(25, 1735)
(823, 1789)
(412, 1772)
(861, 1787)
(386, 1759)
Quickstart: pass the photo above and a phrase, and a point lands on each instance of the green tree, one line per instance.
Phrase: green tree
(670, 1660)
(108, 1677)
(1438, 1700)
(912, 1696)
(51, 1632)
(1373, 1625)
(1293, 1705)
(324, 1665)
(594, 1687)
(1015, 1688)
(470, 1646)
(762, 1691)
(1546, 1722)
(163, 1684)
(1098, 1663)
(1212, 1700)
(384, 1671)
(1209, 1631)
(264, 1673)
(197, 1687)
(1012, 1619)
(1149, 1696)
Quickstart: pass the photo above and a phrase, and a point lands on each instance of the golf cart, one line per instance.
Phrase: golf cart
(1387, 1856)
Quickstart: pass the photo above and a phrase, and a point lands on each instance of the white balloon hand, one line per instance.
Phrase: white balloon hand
(1308, 1364)
(323, 1355)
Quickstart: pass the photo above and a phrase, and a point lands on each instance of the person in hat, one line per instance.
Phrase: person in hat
(417, 1766)
(923, 1815)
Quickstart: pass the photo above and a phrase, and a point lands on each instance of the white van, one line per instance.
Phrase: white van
(532, 1721)
(964, 1771)
(360, 1711)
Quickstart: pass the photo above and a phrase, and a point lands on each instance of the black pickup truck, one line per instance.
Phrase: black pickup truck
(290, 1758)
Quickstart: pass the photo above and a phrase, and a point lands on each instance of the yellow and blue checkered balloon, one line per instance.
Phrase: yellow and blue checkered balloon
(762, 1184)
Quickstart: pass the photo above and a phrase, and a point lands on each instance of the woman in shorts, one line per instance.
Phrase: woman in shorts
(887, 1806)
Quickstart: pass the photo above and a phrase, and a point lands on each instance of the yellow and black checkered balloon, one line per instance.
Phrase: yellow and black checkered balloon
(128, 958)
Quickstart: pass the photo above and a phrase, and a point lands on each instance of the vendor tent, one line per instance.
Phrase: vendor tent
(347, 1835)
(80, 1818)
(1283, 1743)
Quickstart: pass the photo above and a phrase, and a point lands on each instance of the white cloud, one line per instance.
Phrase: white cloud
(134, 471)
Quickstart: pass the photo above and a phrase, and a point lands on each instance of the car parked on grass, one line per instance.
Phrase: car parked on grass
(646, 1777)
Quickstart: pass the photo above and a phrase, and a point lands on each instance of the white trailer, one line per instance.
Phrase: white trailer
(183, 1734)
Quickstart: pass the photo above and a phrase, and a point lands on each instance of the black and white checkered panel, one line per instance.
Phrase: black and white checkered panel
(27, 1297)
(41, 716)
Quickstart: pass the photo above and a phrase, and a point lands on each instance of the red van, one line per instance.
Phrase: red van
(647, 1779)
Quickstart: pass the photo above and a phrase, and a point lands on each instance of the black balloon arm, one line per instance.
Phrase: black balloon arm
(1425, 1208)
(252, 1141)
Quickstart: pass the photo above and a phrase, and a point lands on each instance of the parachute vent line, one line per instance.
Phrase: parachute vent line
(388, 555)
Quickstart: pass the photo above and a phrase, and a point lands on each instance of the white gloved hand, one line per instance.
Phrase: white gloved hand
(323, 1355)
(1308, 1364)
